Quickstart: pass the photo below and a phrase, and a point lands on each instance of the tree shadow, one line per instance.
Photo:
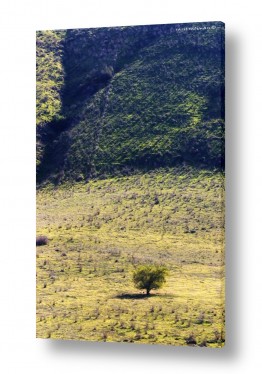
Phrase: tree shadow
(135, 296)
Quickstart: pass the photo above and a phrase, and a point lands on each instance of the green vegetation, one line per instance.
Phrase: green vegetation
(117, 100)
(49, 82)
(49, 76)
(130, 160)
(149, 277)
(100, 232)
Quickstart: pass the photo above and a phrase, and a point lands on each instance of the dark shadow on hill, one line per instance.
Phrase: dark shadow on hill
(81, 82)
(90, 59)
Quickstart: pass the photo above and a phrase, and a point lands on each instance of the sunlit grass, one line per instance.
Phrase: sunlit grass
(99, 232)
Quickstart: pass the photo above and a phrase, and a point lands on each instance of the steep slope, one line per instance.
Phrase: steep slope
(133, 97)
(49, 82)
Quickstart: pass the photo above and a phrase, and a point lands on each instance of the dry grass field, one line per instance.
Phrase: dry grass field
(100, 231)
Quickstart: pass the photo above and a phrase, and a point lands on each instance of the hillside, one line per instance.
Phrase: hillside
(130, 170)
(117, 100)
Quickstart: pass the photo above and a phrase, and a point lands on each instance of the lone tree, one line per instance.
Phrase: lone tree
(149, 277)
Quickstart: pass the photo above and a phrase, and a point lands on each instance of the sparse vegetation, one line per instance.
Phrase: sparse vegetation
(130, 159)
(134, 231)
(171, 113)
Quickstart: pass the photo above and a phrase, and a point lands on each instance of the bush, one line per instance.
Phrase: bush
(149, 277)
(41, 240)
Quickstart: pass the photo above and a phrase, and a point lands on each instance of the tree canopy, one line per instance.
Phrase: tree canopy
(149, 277)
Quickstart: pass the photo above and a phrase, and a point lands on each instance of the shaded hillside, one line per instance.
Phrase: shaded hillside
(128, 98)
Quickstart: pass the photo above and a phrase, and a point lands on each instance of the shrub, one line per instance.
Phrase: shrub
(191, 340)
(41, 240)
(149, 277)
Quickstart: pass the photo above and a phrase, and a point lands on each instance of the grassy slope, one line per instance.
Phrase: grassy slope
(49, 81)
(140, 97)
(49, 75)
(101, 230)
